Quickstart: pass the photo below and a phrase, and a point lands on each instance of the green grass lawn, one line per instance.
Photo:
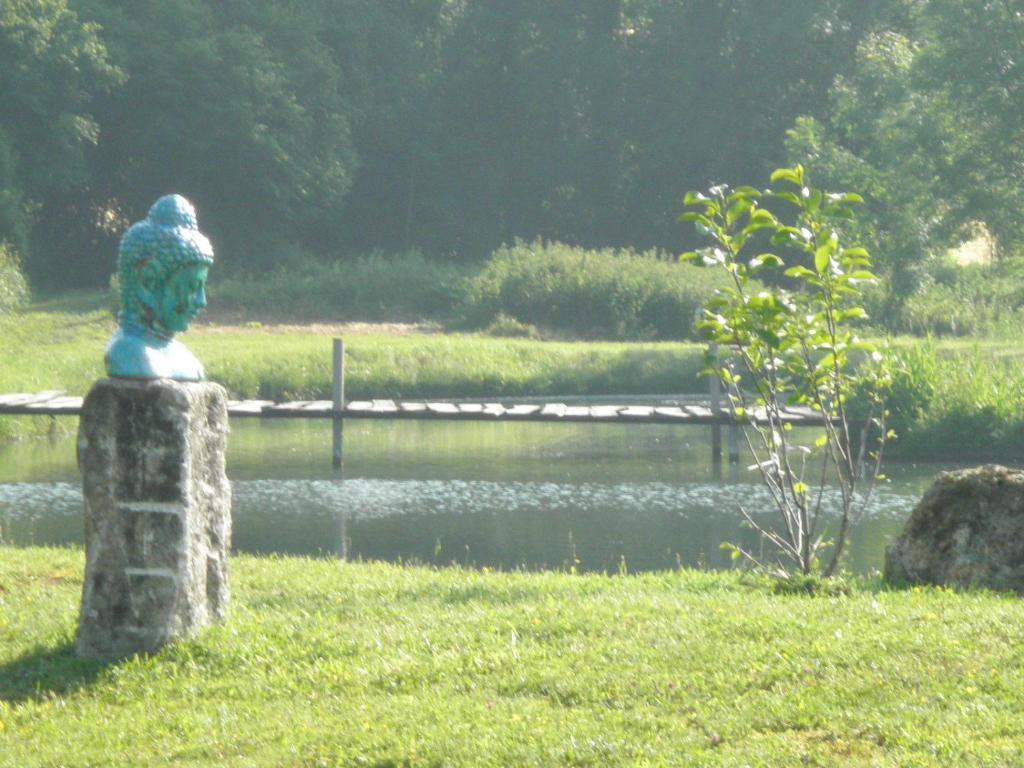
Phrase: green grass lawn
(341, 664)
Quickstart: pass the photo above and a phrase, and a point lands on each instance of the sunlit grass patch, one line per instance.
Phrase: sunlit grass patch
(367, 664)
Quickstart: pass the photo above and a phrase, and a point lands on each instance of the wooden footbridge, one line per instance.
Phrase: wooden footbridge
(711, 412)
(55, 403)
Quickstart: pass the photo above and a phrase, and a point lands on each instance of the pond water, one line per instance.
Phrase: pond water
(506, 495)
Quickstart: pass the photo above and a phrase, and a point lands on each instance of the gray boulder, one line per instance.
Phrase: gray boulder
(967, 530)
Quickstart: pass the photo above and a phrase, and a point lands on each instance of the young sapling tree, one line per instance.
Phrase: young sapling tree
(791, 344)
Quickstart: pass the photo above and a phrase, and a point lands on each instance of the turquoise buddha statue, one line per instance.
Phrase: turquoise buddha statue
(162, 264)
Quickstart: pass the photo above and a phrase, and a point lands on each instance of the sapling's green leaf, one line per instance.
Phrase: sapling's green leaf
(787, 235)
(789, 197)
(769, 337)
(747, 193)
(850, 197)
(767, 260)
(799, 271)
(694, 198)
(822, 257)
(736, 210)
(787, 174)
(696, 217)
(689, 256)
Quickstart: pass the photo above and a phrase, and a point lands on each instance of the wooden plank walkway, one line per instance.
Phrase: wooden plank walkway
(54, 403)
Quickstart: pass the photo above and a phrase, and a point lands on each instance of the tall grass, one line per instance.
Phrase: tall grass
(958, 402)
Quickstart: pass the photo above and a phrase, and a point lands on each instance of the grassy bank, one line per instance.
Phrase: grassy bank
(953, 399)
(325, 663)
(48, 350)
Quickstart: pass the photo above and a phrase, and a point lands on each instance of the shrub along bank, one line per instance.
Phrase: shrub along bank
(330, 663)
(590, 293)
(562, 290)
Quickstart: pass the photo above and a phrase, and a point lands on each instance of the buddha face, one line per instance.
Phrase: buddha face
(180, 297)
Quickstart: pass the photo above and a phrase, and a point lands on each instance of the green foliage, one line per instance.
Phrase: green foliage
(332, 663)
(13, 286)
(343, 126)
(590, 294)
(792, 345)
(349, 125)
(565, 290)
(912, 389)
(927, 123)
(209, 110)
(52, 67)
(812, 584)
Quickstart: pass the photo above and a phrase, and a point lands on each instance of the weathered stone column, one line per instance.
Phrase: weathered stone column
(157, 513)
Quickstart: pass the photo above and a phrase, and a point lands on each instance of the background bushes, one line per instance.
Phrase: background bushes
(374, 287)
(965, 301)
(610, 294)
(559, 289)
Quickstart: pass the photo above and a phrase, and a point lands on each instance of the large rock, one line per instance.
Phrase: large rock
(157, 513)
(967, 530)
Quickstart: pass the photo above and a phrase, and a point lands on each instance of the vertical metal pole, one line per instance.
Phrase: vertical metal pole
(338, 406)
(716, 404)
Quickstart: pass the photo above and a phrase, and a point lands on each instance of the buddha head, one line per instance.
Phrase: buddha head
(163, 262)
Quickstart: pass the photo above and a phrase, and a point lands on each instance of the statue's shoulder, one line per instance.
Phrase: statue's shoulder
(132, 356)
(129, 356)
(183, 364)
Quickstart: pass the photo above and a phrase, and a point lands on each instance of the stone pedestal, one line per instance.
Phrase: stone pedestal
(157, 513)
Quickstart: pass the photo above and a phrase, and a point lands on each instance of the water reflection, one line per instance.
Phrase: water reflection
(595, 497)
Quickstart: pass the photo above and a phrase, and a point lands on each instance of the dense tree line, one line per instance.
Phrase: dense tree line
(326, 127)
